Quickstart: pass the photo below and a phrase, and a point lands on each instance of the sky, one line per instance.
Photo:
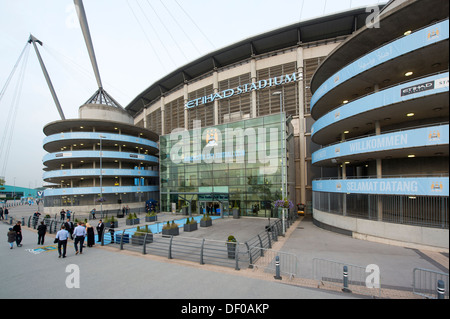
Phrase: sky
(136, 43)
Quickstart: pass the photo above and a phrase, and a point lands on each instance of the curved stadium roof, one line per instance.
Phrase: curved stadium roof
(331, 26)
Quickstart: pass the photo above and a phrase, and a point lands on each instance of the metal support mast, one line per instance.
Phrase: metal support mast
(33, 40)
(99, 97)
(87, 38)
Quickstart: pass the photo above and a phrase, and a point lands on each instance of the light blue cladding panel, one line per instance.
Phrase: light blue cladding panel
(96, 136)
(96, 190)
(413, 186)
(435, 84)
(96, 154)
(96, 172)
(422, 38)
(425, 136)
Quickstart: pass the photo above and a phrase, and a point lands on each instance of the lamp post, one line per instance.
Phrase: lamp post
(101, 176)
(283, 153)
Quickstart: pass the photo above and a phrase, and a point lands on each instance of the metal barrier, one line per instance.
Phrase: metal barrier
(349, 277)
(276, 262)
(426, 284)
(201, 250)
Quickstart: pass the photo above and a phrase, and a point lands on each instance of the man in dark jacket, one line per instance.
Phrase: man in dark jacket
(100, 228)
(42, 229)
(69, 227)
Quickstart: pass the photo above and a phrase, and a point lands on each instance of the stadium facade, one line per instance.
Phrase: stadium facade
(381, 105)
(314, 111)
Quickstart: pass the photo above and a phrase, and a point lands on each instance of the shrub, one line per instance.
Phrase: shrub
(231, 239)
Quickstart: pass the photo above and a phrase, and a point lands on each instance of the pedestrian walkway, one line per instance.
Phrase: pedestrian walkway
(131, 269)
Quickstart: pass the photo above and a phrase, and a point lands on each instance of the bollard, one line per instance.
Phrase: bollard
(277, 268)
(440, 289)
(345, 279)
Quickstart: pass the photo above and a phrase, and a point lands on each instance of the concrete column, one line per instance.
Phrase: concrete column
(145, 118)
(186, 97)
(163, 115)
(216, 102)
(253, 76)
(302, 126)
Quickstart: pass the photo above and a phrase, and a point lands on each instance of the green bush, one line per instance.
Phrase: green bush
(231, 239)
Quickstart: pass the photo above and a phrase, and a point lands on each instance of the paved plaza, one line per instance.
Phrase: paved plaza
(107, 272)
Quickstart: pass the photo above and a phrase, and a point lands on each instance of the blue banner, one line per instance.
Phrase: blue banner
(96, 190)
(411, 186)
(425, 136)
(422, 38)
(399, 93)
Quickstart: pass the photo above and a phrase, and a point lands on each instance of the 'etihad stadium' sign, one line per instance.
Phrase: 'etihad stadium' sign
(245, 88)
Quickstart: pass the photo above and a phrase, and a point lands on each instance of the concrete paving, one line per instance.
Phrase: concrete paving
(107, 272)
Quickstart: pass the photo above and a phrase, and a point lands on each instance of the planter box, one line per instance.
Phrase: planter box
(190, 227)
(126, 238)
(231, 249)
(130, 222)
(151, 218)
(205, 223)
(171, 232)
(139, 240)
(235, 213)
(108, 224)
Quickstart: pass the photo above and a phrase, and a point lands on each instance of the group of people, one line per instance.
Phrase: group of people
(78, 235)
(15, 235)
(4, 213)
(65, 214)
(68, 230)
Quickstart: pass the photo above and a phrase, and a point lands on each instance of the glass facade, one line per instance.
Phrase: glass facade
(236, 164)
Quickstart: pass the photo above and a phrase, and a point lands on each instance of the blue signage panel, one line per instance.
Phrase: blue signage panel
(412, 186)
(384, 98)
(96, 190)
(425, 136)
(422, 38)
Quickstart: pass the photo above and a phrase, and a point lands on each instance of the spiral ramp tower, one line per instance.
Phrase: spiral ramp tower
(100, 160)
(381, 107)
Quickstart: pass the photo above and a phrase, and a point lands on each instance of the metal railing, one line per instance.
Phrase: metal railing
(351, 278)
(201, 250)
(427, 211)
(426, 284)
(269, 259)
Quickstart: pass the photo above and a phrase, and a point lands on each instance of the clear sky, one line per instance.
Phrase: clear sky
(136, 42)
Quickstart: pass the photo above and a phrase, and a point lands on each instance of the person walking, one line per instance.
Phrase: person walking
(6, 212)
(11, 238)
(69, 227)
(61, 237)
(18, 229)
(90, 235)
(100, 228)
(62, 213)
(42, 229)
(1, 213)
(93, 211)
(79, 233)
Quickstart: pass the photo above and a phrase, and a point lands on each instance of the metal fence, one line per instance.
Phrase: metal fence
(267, 261)
(351, 278)
(201, 250)
(428, 211)
(426, 283)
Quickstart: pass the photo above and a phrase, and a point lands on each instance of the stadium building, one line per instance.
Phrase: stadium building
(381, 105)
(260, 82)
